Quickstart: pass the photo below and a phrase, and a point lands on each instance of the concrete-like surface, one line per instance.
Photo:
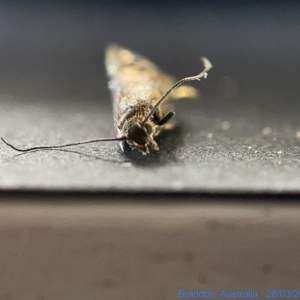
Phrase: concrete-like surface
(241, 158)
(241, 135)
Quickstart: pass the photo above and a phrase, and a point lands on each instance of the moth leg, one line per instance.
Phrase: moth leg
(166, 118)
(158, 115)
(163, 122)
(121, 144)
(161, 119)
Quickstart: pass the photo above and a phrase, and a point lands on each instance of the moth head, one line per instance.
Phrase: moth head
(141, 137)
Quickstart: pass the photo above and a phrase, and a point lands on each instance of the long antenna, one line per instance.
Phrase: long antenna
(207, 67)
(63, 145)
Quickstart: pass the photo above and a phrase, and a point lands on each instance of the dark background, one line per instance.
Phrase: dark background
(240, 136)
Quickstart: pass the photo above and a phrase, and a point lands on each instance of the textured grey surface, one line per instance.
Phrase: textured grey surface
(240, 136)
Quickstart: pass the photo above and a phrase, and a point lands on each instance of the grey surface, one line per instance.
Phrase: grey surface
(240, 136)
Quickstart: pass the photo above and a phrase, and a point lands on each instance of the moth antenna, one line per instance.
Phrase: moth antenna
(207, 67)
(63, 145)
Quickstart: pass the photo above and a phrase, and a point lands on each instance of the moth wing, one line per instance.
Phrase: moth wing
(184, 91)
(118, 57)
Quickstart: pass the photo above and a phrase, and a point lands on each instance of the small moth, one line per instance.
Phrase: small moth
(142, 100)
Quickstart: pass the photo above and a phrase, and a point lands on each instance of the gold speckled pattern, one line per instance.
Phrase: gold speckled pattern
(133, 80)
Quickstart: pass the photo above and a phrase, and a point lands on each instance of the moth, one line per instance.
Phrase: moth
(142, 100)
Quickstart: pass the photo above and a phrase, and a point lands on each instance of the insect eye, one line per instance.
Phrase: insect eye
(137, 134)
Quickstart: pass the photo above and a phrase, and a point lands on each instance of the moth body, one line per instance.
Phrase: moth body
(137, 85)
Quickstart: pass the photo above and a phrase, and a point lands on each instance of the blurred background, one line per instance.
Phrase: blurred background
(55, 49)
